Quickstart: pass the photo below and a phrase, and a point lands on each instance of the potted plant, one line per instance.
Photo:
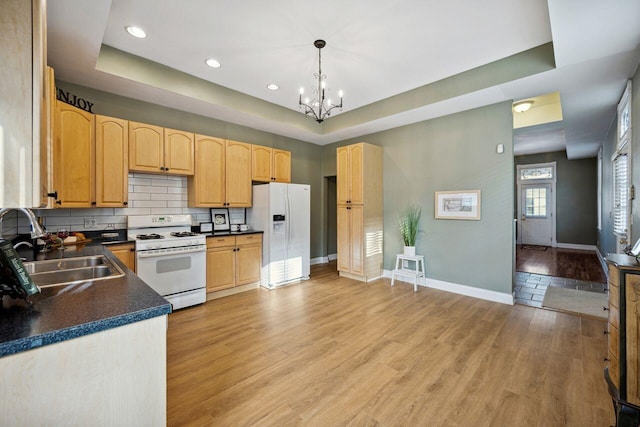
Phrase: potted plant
(409, 228)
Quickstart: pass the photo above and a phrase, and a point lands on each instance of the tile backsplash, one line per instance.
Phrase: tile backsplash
(148, 195)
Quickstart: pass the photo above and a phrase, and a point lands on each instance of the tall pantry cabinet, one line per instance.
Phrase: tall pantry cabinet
(360, 211)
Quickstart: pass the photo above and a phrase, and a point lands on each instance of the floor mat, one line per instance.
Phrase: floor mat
(534, 248)
(575, 301)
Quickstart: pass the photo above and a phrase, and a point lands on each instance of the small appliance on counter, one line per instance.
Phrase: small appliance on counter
(170, 257)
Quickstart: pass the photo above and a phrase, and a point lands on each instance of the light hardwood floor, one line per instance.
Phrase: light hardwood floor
(333, 351)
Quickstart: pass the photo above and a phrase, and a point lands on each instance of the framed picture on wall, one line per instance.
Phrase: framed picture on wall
(457, 204)
(220, 219)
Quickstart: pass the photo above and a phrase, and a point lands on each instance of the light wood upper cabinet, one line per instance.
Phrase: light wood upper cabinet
(46, 141)
(238, 176)
(146, 147)
(281, 165)
(270, 164)
(178, 152)
(350, 174)
(74, 157)
(156, 149)
(261, 163)
(342, 178)
(222, 176)
(206, 188)
(112, 162)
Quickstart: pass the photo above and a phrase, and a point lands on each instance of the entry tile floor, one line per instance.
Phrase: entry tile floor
(530, 287)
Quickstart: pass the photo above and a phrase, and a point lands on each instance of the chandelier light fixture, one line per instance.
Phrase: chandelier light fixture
(319, 107)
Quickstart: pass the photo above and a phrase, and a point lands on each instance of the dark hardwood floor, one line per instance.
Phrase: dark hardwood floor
(332, 351)
(567, 263)
(538, 267)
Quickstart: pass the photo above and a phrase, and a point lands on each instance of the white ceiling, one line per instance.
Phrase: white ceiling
(375, 49)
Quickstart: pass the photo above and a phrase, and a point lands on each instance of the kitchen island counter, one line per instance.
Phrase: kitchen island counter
(64, 312)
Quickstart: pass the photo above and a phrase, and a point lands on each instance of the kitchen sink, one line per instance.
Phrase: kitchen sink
(63, 264)
(72, 270)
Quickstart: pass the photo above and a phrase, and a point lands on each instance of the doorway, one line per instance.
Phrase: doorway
(536, 200)
(536, 216)
(332, 222)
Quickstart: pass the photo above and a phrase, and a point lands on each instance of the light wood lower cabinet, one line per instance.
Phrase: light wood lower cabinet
(125, 252)
(350, 222)
(233, 261)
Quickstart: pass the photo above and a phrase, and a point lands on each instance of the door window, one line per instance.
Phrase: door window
(536, 202)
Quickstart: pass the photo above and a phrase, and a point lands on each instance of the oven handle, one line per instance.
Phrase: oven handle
(170, 251)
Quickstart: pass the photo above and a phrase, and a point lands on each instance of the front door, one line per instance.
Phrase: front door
(536, 216)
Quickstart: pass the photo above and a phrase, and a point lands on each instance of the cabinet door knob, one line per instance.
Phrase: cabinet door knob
(58, 202)
(606, 332)
(93, 203)
(606, 359)
(125, 203)
(166, 169)
(54, 194)
(605, 308)
(161, 168)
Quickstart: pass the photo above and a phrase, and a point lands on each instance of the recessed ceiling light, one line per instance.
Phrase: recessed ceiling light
(522, 106)
(136, 31)
(273, 86)
(212, 63)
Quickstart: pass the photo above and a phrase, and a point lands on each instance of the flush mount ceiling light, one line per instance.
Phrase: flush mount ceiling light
(212, 63)
(136, 31)
(273, 86)
(522, 106)
(319, 107)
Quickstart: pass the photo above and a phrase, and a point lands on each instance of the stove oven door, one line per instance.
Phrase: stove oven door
(173, 271)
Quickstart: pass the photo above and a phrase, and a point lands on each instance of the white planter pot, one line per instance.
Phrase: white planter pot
(410, 250)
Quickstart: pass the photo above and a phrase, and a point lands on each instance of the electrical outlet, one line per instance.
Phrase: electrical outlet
(90, 223)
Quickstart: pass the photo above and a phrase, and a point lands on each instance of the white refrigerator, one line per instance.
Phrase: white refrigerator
(283, 212)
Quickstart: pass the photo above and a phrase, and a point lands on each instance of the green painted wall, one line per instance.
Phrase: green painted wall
(305, 157)
(456, 152)
(576, 196)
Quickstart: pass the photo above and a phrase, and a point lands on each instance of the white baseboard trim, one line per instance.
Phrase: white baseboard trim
(319, 260)
(455, 288)
(577, 246)
(332, 257)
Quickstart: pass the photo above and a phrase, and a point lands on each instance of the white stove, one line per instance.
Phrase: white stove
(169, 257)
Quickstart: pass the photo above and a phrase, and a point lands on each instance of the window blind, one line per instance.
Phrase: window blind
(621, 194)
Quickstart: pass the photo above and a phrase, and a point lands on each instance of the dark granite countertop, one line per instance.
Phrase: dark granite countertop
(60, 313)
(232, 233)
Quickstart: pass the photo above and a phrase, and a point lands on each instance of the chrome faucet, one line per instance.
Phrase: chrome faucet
(36, 228)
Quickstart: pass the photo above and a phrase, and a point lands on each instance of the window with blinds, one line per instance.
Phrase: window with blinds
(621, 194)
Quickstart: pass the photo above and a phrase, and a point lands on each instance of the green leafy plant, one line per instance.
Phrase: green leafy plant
(409, 225)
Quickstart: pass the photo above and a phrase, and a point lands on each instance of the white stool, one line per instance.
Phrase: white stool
(417, 271)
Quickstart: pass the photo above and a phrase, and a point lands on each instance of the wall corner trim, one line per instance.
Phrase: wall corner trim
(455, 288)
